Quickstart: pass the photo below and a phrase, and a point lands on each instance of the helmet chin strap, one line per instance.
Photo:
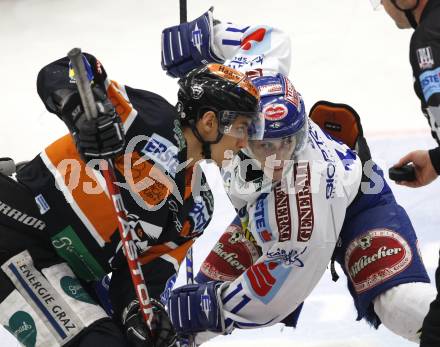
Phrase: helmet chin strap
(411, 19)
(206, 145)
(408, 12)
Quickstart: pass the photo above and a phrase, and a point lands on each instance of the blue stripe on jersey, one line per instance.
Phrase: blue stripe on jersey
(40, 305)
(237, 30)
(227, 42)
(242, 324)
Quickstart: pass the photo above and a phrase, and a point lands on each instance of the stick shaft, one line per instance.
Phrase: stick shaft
(189, 267)
(128, 245)
(183, 11)
(83, 83)
(189, 255)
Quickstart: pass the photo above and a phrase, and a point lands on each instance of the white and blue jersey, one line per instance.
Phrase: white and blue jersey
(318, 210)
(297, 223)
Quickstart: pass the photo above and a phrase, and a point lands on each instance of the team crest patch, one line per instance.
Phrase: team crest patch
(375, 257)
(425, 58)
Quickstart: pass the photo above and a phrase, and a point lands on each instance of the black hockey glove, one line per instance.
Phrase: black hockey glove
(100, 138)
(137, 332)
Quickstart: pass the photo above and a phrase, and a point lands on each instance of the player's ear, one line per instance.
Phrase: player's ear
(207, 124)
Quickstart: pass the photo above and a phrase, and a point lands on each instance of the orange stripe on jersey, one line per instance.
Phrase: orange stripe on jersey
(155, 252)
(188, 181)
(121, 104)
(144, 179)
(84, 187)
(185, 229)
(180, 252)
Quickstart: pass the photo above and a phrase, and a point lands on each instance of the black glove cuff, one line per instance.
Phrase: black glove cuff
(132, 308)
(434, 154)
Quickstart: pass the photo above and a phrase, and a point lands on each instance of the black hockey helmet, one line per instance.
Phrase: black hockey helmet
(215, 87)
(223, 90)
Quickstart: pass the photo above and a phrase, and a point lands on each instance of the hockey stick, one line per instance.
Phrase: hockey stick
(189, 267)
(130, 251)
(183, 11)
(190, 280)
(189, 254)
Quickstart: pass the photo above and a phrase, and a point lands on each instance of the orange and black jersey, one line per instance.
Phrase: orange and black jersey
(168, 203)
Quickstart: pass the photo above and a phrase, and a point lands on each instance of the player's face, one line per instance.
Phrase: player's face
(397, 15)
(273, 154)
(235, 139)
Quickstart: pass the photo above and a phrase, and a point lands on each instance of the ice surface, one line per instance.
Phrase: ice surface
(343, 51)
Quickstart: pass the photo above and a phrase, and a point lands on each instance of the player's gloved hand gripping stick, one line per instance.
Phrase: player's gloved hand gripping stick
(89, 105)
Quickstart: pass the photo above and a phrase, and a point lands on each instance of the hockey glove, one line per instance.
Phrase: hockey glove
(138, 333)
(195, 308)
(189, 45)
(100, 138)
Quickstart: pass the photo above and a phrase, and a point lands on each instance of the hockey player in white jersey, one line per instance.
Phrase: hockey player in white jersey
(303, 205)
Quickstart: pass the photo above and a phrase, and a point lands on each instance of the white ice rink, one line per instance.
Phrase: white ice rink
(343, 51)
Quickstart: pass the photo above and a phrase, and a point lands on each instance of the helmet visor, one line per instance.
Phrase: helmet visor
(284, 148)
(241, 125)
(276, 155)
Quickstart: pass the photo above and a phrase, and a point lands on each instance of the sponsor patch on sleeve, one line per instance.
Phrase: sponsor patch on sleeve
(430, 83)
(162, 152)
(262, 219)
(282, 214)
(42, 204)
(63, 323)
(266, 279)
(69, 246)
(304, 203)
(425, 58)
(375, 257)
(22, 321)
(230, 257)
